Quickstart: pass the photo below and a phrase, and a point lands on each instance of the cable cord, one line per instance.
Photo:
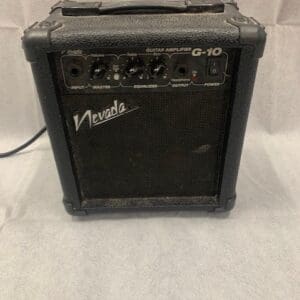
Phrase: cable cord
(25, 145)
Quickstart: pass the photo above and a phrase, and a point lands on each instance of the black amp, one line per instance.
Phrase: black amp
(146, 104)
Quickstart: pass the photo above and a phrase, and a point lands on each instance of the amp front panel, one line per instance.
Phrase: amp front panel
(146, 123)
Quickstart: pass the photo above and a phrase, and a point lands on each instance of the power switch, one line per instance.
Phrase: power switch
(214, 67)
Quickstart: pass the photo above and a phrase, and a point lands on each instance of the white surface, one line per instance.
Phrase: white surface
(253, 253)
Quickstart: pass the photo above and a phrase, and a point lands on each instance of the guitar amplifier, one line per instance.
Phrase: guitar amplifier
(146, 103)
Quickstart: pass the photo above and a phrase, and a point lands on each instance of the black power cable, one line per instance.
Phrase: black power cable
(22, 147)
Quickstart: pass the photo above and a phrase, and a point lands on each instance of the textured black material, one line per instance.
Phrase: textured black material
(164, 148)
(226, 30)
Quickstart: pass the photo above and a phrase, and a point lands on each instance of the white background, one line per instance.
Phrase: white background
(254, 253)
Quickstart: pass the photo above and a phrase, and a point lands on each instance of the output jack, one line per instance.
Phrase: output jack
(181, 71)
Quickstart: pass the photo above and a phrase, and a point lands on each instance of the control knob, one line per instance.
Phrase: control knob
(98, 70)
(134, 68)
(157, 68)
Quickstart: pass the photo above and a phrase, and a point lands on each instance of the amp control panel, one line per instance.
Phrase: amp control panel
(149, 68)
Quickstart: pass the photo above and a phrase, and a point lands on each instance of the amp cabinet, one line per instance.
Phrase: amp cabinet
(146, 104)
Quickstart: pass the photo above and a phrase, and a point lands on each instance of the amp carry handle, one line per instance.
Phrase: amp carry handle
(116, 7)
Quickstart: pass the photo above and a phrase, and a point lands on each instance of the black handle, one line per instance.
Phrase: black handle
(73, 8)
(139, 6)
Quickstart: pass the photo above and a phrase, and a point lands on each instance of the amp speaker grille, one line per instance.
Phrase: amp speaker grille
(170, 144)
